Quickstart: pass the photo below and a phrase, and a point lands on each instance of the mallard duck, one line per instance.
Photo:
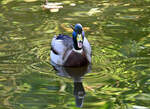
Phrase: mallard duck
(53, 7)
(72, 51)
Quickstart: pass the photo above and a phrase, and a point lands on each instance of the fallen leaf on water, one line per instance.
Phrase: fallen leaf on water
(68, 29)
(86, 28)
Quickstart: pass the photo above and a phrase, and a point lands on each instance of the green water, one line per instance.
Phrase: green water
(119, 33)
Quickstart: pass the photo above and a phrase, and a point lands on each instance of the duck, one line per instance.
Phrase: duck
(52, 6)
(72, 51)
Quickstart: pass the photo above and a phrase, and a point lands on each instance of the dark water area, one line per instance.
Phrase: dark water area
(119, 34)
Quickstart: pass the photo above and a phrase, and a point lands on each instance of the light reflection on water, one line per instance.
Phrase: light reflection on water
(119, 34)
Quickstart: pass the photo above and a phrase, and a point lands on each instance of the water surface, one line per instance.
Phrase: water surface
(119, 33)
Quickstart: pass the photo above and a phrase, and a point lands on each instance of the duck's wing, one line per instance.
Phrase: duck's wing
(61, 43)
(61, 47)
(87, 49)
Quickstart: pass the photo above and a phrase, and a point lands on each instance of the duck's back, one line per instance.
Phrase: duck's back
(67, 40)
(60, 47)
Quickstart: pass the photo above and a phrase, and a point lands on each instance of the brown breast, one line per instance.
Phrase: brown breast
(76, 59)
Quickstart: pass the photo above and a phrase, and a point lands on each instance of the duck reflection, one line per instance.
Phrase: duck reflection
(76, 73)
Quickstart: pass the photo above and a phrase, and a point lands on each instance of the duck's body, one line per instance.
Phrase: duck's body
(72, 52)
(51, 5)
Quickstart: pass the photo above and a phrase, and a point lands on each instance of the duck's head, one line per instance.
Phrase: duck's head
(78, 36)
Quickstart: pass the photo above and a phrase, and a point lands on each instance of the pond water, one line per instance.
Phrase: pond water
(119, 34)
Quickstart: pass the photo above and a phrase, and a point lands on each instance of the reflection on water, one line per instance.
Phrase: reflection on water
(76, 73)
(79, 93)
